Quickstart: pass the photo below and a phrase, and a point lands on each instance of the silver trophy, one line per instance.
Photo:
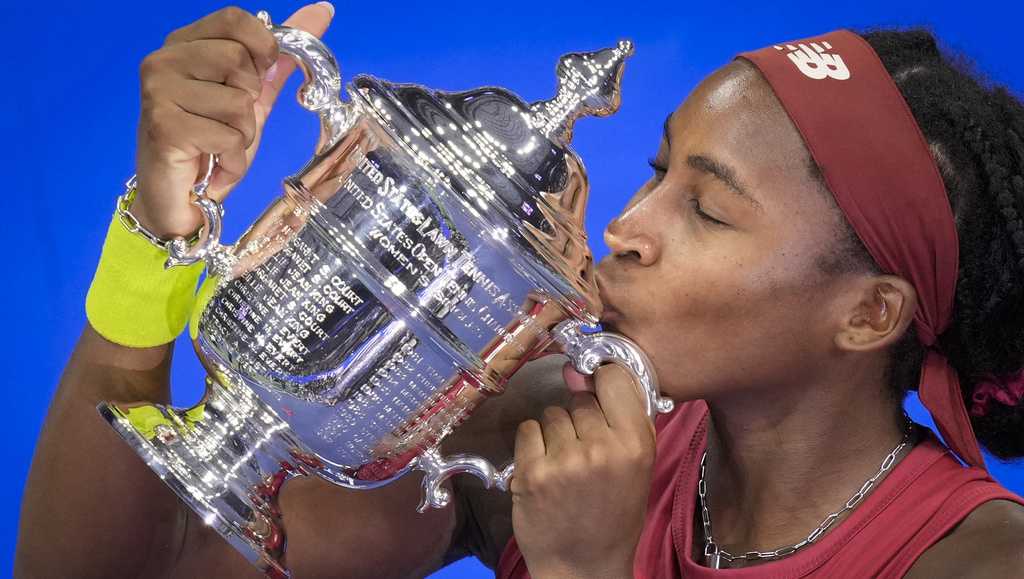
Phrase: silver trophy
(432, 245)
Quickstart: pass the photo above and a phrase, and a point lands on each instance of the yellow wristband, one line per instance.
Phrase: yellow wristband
(133, 301)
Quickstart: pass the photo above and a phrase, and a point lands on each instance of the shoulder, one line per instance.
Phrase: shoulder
(987, 543)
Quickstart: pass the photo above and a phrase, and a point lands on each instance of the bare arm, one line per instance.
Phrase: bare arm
(988, 543)
(92, 508)
(90, 504)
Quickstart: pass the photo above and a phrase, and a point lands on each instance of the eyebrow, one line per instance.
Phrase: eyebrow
(723, 173)
(664, 130)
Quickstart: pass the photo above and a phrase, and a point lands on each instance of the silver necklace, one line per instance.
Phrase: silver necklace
(713, 552)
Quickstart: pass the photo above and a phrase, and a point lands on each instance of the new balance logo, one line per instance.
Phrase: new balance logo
(814, 62)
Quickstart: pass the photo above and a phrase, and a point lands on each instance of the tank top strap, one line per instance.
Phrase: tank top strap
(883, 526)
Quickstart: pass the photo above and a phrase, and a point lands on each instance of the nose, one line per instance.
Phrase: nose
(631, 235)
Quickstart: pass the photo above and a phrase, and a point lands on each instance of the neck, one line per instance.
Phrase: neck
(781, 459)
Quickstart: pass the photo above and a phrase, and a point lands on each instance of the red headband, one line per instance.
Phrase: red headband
(878, 166)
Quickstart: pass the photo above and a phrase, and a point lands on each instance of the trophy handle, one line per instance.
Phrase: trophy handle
(589, 351)
(321, 91)
(437, 469)
(586, 352)
(207, 244)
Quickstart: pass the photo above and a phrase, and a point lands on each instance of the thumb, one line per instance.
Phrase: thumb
(313, 18)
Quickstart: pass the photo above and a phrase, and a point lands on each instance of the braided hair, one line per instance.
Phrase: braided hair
(975, 130)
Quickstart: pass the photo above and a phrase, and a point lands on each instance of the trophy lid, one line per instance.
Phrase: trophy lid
(509, 162)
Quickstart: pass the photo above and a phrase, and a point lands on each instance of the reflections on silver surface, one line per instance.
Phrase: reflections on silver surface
(432, 245)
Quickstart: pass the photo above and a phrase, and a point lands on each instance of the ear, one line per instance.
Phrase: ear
(881, 310)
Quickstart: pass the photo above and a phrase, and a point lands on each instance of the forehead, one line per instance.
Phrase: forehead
(735, 112)
(734, 117)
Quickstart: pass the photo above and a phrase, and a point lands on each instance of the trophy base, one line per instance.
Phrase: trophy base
(226, 458)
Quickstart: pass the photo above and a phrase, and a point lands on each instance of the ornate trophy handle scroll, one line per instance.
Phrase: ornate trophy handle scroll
(586, 352)
(207, 245)
(321, 91)
(437, 469)
(589, 351)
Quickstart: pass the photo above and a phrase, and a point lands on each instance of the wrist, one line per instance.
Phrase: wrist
(137, 216)
(133, 300)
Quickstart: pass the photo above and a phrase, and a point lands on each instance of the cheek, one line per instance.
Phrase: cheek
(730, 278)
(733, 314)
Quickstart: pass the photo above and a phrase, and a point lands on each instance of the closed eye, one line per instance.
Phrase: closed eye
(661, 170)
(700, 213)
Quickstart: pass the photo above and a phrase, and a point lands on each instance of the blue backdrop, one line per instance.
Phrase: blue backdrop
(70, 103)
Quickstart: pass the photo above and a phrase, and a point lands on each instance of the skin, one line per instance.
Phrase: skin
(737, 314)
(715, 294)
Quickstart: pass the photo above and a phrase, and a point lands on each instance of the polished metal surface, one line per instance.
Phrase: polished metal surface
(588, 352)
(207, 245)
(432, 246)
(320, 92)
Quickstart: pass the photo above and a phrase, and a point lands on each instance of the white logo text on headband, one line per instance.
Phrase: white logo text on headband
(814, 62)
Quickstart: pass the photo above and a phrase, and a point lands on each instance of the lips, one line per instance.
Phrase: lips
(611, 313)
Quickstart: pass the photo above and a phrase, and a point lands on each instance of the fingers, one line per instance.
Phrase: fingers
(620, 400)
(191, 134)
(590, 419)
(186, 112)
(176, 140)
(233, 47)
(232, 23)
(231, 167)
(558, 430)
(229, 106)
(575, 381)
(529, 442)
(587, 417)
(220, 61)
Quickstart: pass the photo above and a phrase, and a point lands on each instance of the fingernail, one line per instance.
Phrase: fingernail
(328, 6)
(271, 73)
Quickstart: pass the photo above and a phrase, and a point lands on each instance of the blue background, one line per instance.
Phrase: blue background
(70, 104)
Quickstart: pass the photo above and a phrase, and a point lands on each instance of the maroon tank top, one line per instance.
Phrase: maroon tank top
(924, 497)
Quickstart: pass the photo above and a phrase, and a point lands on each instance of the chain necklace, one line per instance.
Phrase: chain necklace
(714, 554)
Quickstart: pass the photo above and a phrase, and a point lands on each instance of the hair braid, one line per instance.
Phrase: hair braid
(974, 131)
(1011, 210)
(999, 187)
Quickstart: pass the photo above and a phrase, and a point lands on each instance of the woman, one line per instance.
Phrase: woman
(736, 269)
(740, 267)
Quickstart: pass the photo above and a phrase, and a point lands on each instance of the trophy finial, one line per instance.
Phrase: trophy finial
(588, 84)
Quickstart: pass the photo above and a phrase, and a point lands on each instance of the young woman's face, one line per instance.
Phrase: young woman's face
(715, 262)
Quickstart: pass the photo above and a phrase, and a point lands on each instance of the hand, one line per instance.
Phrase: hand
(208, 90)
(579, 492)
